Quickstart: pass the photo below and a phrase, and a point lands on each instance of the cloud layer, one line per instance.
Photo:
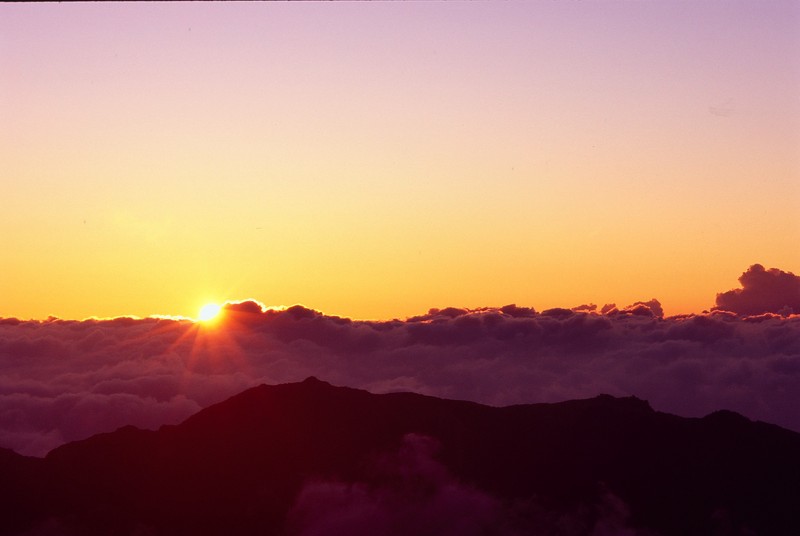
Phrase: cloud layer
(65, 380)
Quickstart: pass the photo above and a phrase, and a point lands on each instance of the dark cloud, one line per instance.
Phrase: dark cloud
(518, 312)
(763, 291)
(64, 380)
(246, 307)
(648, 308)
(608, 308)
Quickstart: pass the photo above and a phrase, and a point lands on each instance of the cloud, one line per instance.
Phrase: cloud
(63, 380)
(648, 308)
(412, 493)
(763, 291)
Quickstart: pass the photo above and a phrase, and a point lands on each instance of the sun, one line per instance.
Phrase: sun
(209, 312)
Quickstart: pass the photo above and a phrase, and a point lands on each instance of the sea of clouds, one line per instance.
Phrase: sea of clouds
(62, 380)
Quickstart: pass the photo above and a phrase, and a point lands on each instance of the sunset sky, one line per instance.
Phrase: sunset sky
(374, 160)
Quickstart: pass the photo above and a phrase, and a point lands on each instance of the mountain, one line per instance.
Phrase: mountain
(311, 458)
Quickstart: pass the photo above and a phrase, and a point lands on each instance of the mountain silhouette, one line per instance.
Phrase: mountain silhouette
(312, 458)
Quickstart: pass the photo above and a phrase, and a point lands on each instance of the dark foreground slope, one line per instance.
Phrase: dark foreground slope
(317, 459)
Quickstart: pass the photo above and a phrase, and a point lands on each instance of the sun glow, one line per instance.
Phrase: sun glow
(209, 312)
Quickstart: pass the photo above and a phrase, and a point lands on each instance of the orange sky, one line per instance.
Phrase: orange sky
(376, 160)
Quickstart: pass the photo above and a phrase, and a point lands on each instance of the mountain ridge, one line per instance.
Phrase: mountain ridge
(245, 465)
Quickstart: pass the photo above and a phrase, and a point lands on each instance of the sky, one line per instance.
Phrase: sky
(374, 160)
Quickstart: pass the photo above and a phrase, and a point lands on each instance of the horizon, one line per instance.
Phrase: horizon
(784, 286)
(64, 380)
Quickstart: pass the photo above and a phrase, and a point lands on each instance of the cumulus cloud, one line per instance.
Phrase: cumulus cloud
(648, 308)
(64, 380)
(763, 291)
